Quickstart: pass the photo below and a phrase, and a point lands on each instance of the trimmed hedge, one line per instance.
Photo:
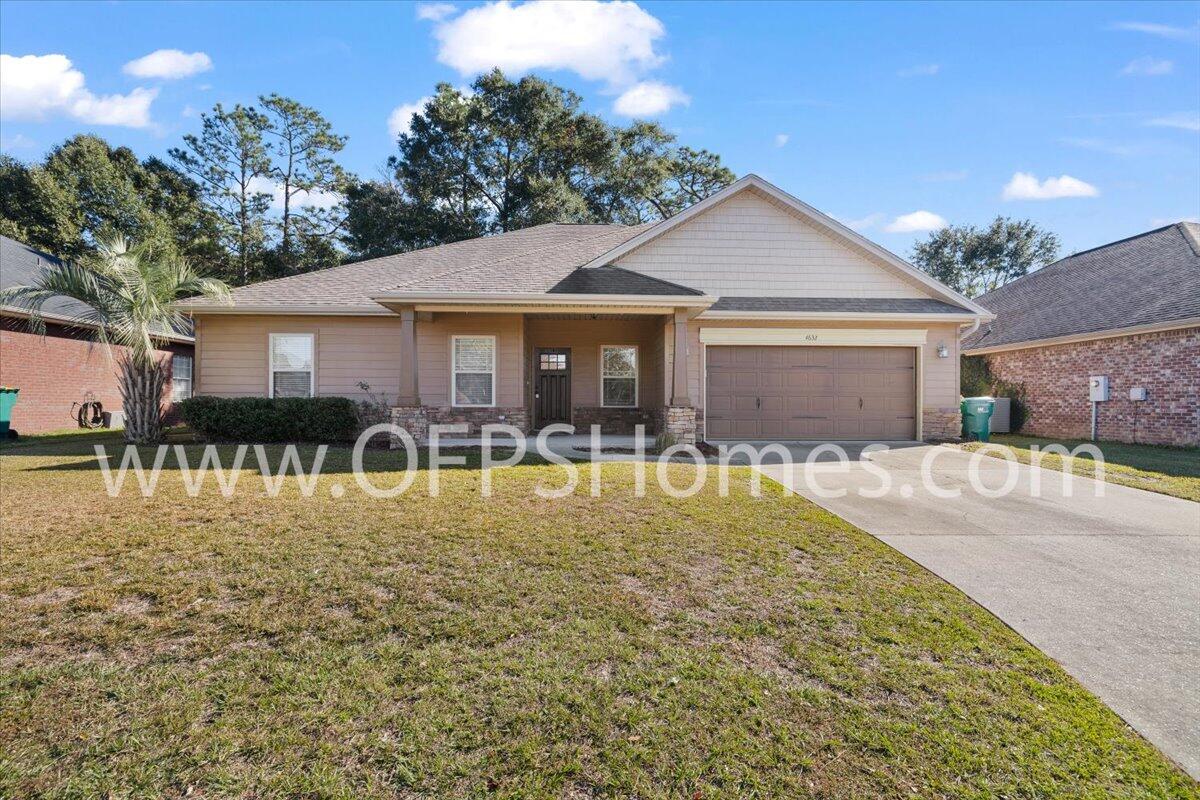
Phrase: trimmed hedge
(264, 419)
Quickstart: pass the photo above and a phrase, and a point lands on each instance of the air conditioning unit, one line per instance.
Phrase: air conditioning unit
(114, 419)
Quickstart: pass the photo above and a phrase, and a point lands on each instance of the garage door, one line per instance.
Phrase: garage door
(773, 392)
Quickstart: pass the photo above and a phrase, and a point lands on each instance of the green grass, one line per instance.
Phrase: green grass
(619, 646)
(1166, 470)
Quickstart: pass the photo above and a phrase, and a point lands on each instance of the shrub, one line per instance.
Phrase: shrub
(263, 419)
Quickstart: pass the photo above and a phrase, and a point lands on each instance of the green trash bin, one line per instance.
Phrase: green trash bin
(8, 399)
(976, 417)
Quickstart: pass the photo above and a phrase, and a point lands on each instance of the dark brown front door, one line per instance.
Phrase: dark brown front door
(552, 389)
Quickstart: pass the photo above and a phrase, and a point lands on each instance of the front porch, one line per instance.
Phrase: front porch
(533, 368)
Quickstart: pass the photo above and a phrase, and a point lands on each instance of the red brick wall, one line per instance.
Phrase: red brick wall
(1166, 364)
(55, 371)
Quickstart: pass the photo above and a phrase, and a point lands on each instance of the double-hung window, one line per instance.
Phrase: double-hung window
(181, 377)
(474, 370)
(292, 373)
(619, 375)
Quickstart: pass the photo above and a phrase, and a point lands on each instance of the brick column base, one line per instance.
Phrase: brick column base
(679, 422)
(941, 424)
(413, 419)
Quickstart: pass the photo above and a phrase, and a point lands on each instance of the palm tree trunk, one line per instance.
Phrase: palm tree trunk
(141, 394)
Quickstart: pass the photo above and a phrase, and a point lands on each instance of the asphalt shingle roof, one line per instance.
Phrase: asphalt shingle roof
(529, 260)
(21, 264)
(885, 305)
(616, 280)
(1147, 279)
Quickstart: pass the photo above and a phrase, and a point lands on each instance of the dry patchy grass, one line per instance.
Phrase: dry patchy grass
(456, 647)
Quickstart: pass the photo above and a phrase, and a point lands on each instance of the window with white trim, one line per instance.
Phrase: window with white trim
(619, 375)
(181, 377)
(292, 365)
(474, 370)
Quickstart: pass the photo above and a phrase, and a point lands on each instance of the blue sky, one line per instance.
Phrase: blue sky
(895, 117)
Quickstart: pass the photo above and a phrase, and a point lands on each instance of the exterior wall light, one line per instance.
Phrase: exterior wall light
(943, 351)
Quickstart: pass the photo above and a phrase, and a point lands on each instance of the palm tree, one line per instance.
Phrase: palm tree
(133, 299)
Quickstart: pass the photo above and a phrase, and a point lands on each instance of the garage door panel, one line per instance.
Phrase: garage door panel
(796, 392)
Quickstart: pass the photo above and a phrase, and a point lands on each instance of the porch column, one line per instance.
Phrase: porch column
(679, 395)
(408, 358)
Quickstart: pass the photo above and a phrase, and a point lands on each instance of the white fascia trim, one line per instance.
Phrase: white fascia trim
(543, 298)
(300, 310)
(1111, 333)
(837, 315)
(75, 322)
(816, 337)
(805, 210)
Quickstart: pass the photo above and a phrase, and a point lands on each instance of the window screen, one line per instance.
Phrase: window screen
(474, 370)
(619, 365)
(291, 365)
(181, 377)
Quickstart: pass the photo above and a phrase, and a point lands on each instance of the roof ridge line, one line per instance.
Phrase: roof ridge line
(490, 264)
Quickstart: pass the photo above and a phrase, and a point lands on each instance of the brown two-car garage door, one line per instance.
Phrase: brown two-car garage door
(785, 392)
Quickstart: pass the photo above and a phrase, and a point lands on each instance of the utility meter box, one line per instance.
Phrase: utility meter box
(1137, 393)
(1098, 388)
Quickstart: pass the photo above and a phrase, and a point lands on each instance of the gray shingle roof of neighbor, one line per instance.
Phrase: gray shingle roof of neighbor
(21, 264)
(529, 260)
(880, 305)
(1150, 278)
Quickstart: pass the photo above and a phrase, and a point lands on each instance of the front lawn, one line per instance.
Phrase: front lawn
(459, 647)
(1166, 470)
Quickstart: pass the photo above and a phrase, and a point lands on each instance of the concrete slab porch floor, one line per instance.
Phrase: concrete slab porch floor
(1107, 586)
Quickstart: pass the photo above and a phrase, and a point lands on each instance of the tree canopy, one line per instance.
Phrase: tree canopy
(510, 154)
(975, 260)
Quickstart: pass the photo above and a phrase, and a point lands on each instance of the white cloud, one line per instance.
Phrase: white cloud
(435, 11)
(168, 65)
(301, 199)
(611, 42)
(864, 223)
(916, 222)
(18, 142)
(38, 87)
(781, 139)
(1104, 146)
(648, 98)
(1026, 186)
(1162, 222)
(947, 176)
(401, 117)
(1147, 65)
(920, 71)
(1157, 29)
(1186, 121)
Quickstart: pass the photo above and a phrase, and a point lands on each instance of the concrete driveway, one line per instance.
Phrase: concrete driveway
(1107, 586)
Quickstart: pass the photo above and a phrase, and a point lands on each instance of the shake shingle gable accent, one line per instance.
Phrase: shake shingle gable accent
(1144, 282)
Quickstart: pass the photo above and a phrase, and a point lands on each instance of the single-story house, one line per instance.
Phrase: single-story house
(1127, 312)
(60, 370)
(750, 315)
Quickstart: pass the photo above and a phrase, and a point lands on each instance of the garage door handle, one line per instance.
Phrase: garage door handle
(758, 402)
(860, 404)
(802, 416)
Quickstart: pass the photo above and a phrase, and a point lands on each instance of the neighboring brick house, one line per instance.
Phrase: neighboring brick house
(1129, 311)
(58, 370)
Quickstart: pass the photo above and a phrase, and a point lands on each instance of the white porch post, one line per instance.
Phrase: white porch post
(679, 394)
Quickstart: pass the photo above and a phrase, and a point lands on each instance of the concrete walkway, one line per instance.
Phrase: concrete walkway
(1107, 586)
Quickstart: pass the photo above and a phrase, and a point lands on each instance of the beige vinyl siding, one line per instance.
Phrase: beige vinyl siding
(232, 358)
(434, 355)
(750, 246)
(939, 376)
(585, 338)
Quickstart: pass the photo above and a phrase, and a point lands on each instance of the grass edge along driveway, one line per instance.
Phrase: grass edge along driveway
(1173, 471)
(455, 647)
